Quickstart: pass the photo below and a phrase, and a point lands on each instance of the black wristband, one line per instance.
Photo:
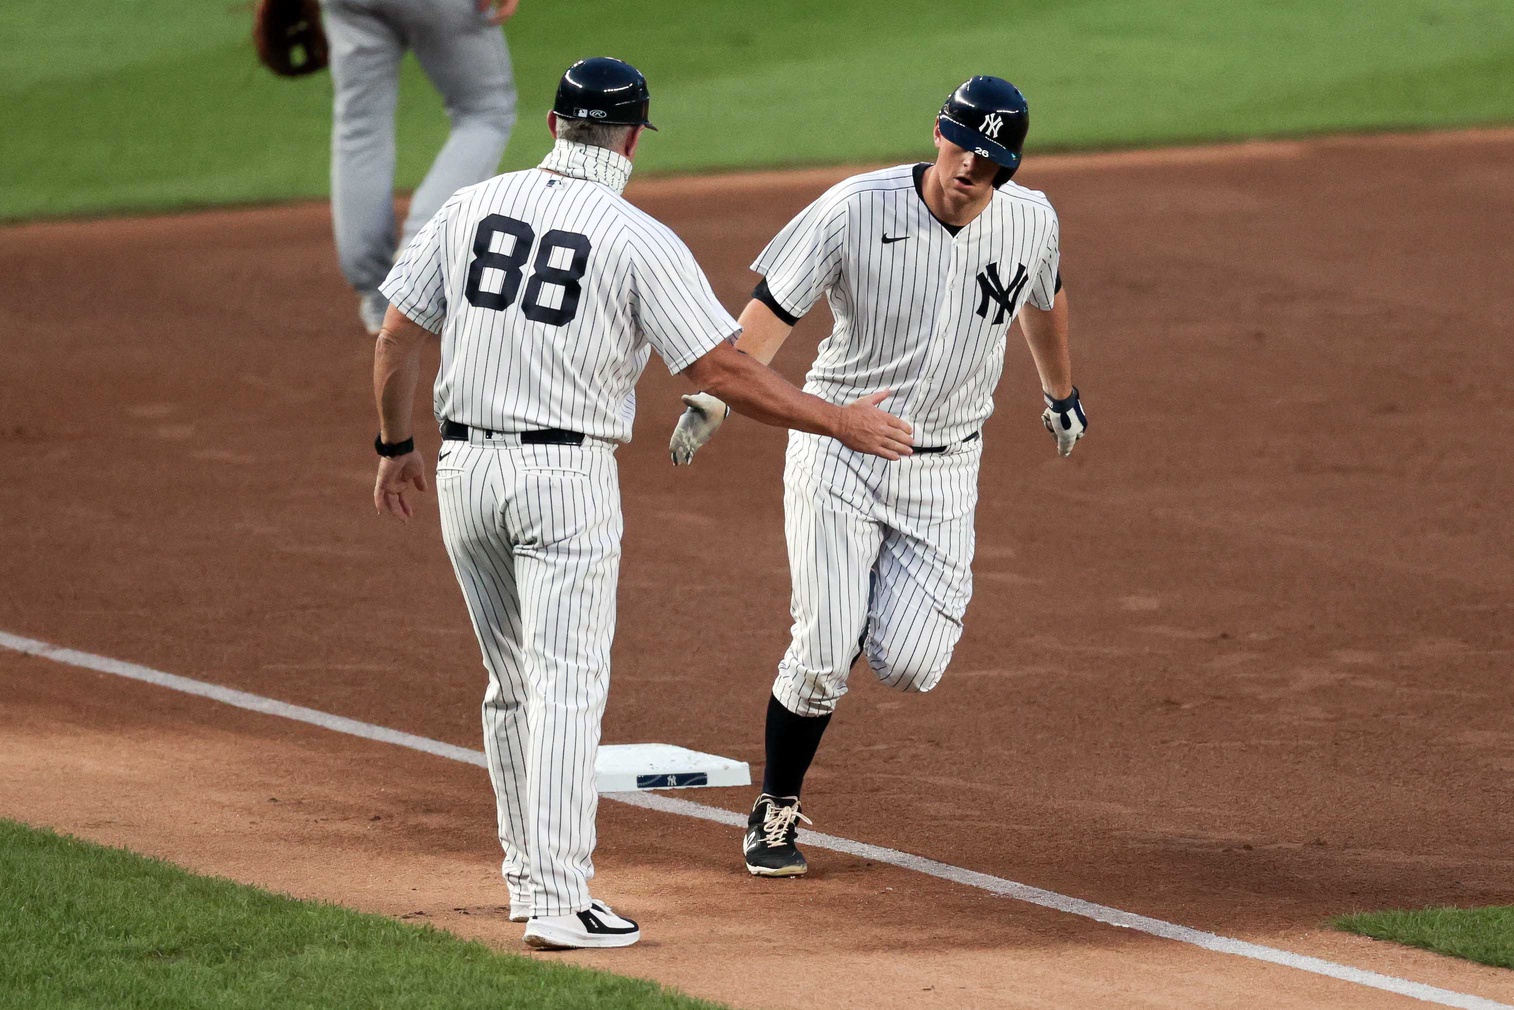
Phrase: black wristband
(1063, 405)
(391, 449)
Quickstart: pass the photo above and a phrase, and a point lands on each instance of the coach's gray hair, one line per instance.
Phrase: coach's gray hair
(586, 131)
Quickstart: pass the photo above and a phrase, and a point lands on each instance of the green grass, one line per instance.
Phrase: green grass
(1477, 934)
(139, 104)
(82, 926)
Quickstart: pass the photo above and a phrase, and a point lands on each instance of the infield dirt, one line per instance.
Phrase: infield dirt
(1242, 662)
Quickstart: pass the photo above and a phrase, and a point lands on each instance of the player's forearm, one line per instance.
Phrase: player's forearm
(1046, 336)
(396, 373)
(762, 332)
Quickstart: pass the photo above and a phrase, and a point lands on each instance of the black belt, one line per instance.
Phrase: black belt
(943, 448)
(454, 432)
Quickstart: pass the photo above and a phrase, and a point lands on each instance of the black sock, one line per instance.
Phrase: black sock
(791, 744)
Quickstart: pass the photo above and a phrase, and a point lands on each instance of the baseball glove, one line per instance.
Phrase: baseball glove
(289, 37)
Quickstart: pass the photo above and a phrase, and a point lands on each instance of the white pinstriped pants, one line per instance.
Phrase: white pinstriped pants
(534, 537)
(880, 555)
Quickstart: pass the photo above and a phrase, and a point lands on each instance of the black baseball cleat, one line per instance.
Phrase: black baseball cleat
(770, 833)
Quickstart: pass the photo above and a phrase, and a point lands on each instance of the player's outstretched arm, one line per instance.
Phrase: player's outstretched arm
(757, 391)
(762, 333)
(396, 373)
(1046, 335)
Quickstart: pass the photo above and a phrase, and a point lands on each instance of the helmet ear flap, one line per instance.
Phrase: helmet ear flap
(1003, 176)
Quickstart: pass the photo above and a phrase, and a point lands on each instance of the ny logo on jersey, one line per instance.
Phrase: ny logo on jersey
(992, 124)
(992, 288)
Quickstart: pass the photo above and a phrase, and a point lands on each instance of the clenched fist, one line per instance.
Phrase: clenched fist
(1065, 420)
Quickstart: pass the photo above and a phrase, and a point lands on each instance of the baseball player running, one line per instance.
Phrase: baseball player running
(925, 267)
(462, 50)
(548, 289)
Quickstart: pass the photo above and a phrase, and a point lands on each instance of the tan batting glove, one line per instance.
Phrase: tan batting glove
(704, 416)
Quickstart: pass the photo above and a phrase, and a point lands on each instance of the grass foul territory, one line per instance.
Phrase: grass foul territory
(150, 104)
(82, 926)
(1477, 934)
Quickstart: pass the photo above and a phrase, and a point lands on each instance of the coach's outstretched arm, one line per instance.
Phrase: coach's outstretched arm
(762, 333)
(757, 391)
(1046, 335)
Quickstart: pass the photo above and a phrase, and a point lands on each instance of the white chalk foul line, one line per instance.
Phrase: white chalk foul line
(686, 808)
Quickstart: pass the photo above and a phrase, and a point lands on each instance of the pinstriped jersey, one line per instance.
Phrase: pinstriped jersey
(918, 309)
(549, 293)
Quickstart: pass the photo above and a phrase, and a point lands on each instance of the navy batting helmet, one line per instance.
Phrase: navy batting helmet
(989, 117)
(605, 90)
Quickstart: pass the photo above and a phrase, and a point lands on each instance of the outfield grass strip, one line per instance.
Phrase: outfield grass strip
(158, 104)
(1485, 935)
(84, 926)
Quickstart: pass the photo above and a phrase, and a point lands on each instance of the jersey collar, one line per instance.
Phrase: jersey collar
(952, 229)
(582, 161)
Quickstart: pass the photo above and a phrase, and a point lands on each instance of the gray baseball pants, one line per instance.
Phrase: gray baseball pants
(465, 59)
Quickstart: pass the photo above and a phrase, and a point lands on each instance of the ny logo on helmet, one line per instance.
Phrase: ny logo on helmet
(992, 124)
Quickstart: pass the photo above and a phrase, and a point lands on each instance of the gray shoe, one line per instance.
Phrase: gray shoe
(371, 307)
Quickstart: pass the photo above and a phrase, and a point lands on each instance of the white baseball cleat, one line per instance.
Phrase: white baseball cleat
(371, 307)
(520, 911)
(595, 926)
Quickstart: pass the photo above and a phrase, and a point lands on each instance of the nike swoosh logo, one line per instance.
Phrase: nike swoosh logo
(443, 456)
(896, 238)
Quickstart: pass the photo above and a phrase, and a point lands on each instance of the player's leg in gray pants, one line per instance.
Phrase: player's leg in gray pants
(469, 63)
(465, 59)
(365, 58)
(534, 537)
